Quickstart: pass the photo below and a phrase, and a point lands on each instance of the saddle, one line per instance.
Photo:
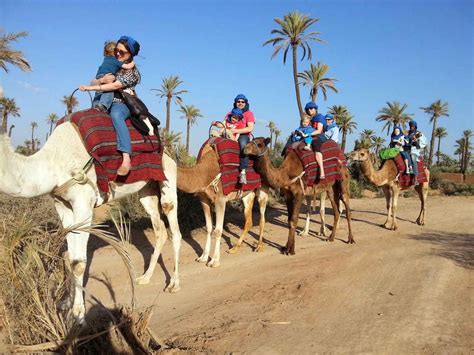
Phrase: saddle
(99, 138)
(332, 158)
(228, 152)
(409, 180)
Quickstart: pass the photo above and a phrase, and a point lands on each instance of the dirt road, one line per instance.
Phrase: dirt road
(406, 291)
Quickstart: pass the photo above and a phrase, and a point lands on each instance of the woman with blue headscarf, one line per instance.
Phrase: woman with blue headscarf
(126, 80)
(397, 140)
(418, 143)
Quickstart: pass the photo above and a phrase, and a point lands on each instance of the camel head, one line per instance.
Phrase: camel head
(360, 155)
(257, 147)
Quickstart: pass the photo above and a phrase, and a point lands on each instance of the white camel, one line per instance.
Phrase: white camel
(64, 156)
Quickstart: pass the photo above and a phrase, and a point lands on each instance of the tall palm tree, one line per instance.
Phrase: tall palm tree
(52, 119)
(393, 114)
(436, 109)
(8, 107)
(168, 90)
(377, 144)
(459, 150)
(33, 140)
(277, 134)
(271, 126)
(291, 34)
(71, 103)
(314, 78)
(440, 133)
(191, 113)
(467, 134)
(345, 122)
(367, 137)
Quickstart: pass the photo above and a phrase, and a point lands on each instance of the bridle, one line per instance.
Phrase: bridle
(259, 154)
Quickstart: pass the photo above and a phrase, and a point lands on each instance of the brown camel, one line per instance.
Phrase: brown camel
(286, 178)
(202, 180)
(387, 178)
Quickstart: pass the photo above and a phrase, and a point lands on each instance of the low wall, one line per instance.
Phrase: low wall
(469, 179)
(458, 178)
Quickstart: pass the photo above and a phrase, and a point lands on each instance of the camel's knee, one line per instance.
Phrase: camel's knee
(167, 207)
(78, 267)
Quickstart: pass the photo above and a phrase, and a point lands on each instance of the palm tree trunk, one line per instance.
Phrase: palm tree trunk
(168, 106)
(432, 142)
(188, 129)
(295, 78)
(5, 121)
(10, 130)
(271, 140)
(50, 128)
(315, 94)
(32, 139)
(439, 145)
(343, 143)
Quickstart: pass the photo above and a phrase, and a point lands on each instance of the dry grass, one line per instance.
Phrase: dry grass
(36, 287)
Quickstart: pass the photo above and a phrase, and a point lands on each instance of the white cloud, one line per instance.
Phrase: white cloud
(31, 87)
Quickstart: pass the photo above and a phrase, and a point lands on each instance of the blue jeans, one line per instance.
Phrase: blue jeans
(414, 161)
(119, 113)
(104, 98)
(244, 139)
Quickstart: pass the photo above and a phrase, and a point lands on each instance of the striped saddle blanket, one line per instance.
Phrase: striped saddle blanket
(229, 158)
(408, 179)
(332, 158)
(98, 135)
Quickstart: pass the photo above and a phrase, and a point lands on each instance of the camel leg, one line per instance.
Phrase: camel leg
(323, 231)
(293, 203)
(150, 202)
(388, 200)
(346, 201)
(305, 231)
(206, 207)
(248, 205)
(220, 212)
(77, 211)
(422, 190)
(395, 192)
(335, 208)
(262, 197)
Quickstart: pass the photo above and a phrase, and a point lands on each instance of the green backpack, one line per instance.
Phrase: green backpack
(389, 153)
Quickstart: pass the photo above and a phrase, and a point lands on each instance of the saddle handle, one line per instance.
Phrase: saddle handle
(217, 124)
(88, 92)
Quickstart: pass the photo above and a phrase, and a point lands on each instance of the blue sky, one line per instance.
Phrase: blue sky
(414, 52)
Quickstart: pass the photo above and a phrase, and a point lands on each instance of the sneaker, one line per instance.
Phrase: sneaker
(243, 178)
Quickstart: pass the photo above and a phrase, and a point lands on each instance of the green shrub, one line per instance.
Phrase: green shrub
(452, 189)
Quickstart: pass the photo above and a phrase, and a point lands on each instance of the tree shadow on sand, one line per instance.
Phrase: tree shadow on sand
(457, 247)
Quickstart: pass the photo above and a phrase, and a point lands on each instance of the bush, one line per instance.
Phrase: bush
(452, 189)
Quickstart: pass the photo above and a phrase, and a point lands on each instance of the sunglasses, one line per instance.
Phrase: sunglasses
(120, 52)
(240, 102)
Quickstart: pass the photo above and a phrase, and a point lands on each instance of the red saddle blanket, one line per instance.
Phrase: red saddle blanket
(332, 156)
(229, 159)
(408, 179)
(98, 135)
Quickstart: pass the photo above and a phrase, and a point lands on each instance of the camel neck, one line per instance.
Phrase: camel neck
(198, 177)
(378, 177)
(274, 177)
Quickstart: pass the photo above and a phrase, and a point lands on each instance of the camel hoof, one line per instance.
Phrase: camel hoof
(142, 280)
(234, 250)
(172, 289)
(303, 234)
(213, 263)
(258, 248)
(285, 251)
(351, 240)
(202, 259)
(330, 239)
(394, 228)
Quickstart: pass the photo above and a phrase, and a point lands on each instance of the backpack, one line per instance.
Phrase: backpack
(389, 153)
(139, 112)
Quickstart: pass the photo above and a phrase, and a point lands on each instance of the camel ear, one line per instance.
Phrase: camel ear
(267, 141)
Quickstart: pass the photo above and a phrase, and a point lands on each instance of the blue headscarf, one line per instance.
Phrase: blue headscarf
(132, 45)
(236, 112)
(331, 125)
(309, 105)
(413, 123)
(242, 97)
(396, 136)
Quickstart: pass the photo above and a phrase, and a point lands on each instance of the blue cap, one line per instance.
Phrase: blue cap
(413, 123)
(133, 45)
(236, 112)
(329, 116)
(309, 105)
(241, 97)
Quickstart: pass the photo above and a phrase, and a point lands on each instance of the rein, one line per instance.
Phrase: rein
(258, 153)
(80, 178)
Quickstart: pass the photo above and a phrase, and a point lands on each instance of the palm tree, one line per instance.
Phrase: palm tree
(440, 133)
(377, 144)
(292, 34)
(271, 126)
(344, 121)
(8, 107)
(467, 134)
(277, 134)
(168, 90)
(459, 150)
(52, 119)
(393, 115)
(33, 140)
(169, 139)
(190, 113)
(366, 138)
(10, 56)
(10, 130)
(71, 103)
(436, 109)
(314, 78)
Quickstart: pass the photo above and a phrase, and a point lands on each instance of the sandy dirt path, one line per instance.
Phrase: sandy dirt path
(393, 292)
